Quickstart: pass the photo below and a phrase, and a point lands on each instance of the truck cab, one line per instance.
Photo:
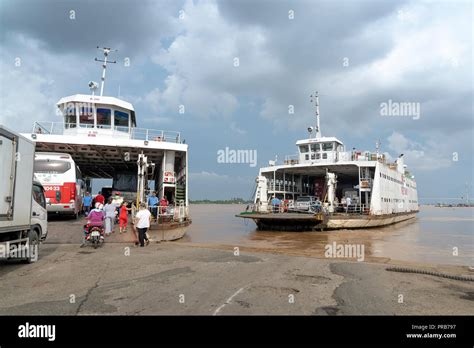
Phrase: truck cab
(39, 213)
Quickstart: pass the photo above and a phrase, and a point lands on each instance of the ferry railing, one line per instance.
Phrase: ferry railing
(339, 208)
(57, 128)
(280, 186)
(176, 212)
(292, 159)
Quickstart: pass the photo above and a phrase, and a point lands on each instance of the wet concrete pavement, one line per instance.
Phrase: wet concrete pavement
(209, 278)
(169, 278)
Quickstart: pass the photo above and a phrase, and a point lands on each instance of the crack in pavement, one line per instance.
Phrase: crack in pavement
(96, 285)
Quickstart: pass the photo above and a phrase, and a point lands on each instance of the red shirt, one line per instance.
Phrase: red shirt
(123, 212)
(99, 198)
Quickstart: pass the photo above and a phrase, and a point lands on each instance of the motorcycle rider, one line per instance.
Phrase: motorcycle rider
(95, 219)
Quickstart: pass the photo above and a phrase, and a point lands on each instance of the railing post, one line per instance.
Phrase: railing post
(146, 135)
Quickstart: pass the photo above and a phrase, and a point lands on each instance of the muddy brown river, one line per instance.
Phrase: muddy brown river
(436, 236)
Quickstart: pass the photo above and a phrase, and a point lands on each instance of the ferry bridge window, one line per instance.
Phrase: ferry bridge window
(70, 117)
(86, 117)
(303, 148)
(70, 121)
(120, 119)
(327, 146)
(103, 118)
(315, 147)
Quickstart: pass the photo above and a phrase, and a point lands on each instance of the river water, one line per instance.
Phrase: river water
(434, 237)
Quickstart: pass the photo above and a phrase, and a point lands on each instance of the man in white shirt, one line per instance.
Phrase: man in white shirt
(348, 203)
(142, 223)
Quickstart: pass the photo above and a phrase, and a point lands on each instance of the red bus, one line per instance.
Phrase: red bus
(62, 182)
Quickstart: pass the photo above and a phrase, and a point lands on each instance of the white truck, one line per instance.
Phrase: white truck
(23, 214)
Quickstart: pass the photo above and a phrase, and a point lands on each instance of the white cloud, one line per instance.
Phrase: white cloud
(236, 129)
(429, 156)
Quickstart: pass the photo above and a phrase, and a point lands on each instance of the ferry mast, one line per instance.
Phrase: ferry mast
(106, 51)
(318, 127)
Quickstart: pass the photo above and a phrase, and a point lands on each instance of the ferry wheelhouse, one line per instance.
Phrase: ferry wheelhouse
(349, 189)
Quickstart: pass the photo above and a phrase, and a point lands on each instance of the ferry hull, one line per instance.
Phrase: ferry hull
(168, 231)
(300, 222)
(367, 222)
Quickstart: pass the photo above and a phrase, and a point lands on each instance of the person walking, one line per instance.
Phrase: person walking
(109, 211)
(152, 203)
(123, 217)
(163, 205)
(348, 203)
(86, 203)
(142, 223)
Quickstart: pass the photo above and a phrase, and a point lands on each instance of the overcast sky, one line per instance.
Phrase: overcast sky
(357, 54)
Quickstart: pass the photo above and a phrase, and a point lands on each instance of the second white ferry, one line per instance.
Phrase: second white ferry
(326, 187)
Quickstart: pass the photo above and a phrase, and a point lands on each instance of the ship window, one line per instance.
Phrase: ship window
(313, 156)
(70, 116)
(120, 119)
(70, 121)
(315, 147)
(328, 146)
(318, 155)
(325, 155)
(86, 116)
(303, 148)
(103, 118)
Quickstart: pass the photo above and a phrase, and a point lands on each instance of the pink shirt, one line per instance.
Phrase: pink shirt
(96, 217)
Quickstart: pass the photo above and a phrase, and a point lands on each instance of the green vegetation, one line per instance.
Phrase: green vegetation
(220, 201)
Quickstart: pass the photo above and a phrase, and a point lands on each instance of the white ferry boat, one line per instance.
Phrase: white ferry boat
(100, 134)
(326, 187)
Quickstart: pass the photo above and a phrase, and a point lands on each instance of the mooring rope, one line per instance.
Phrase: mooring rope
(432, 273)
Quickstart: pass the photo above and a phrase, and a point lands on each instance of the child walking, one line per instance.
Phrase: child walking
(123, 217)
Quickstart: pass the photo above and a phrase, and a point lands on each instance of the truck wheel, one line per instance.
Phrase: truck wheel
(33, 249)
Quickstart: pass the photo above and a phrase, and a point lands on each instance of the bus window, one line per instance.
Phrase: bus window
(121, 120)
(104, 118)
(51, 166)
(86, 117)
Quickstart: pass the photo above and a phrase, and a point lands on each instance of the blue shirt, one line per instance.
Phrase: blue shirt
(152, 201)
(276, 201)
(87, 201)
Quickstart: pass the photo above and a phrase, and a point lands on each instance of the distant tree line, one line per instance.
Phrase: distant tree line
(235, 200)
